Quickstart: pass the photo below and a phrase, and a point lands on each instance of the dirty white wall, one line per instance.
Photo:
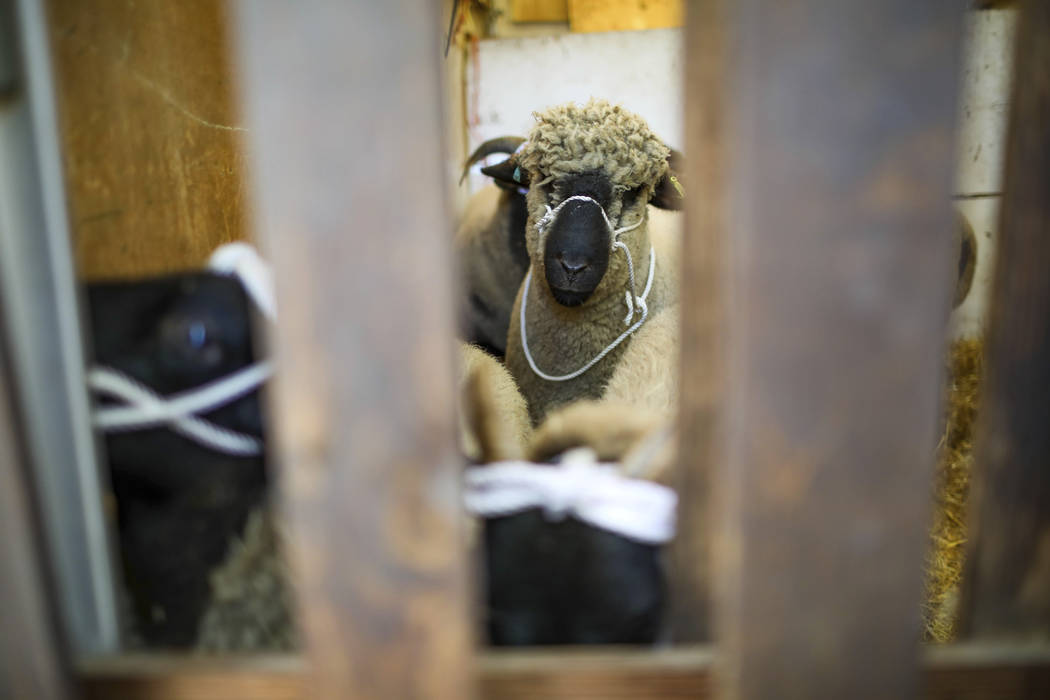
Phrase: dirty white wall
(511, 78)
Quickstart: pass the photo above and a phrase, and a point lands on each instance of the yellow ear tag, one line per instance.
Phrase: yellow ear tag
(678, 186)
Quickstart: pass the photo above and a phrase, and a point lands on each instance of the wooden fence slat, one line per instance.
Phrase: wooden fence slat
(1007, 586)
(343, 108)
(31, 661)
(702, 329)
(839, 274)
(955, 672)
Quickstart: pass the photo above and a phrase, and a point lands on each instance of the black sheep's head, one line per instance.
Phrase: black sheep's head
(567, 582)
(173, 334)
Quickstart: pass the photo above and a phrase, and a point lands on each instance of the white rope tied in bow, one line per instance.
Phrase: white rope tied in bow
(636, 304)
(592, 492)
(145, 408)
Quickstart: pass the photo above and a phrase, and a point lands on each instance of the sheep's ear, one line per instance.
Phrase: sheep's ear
(508, 173)
(669, 193)
(503, 144)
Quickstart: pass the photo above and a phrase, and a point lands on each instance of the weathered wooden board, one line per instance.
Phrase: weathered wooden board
(949, 673)
(838, 239)
(343, 102)
(150, 132)
(1008, 566)
(540, 10)
(703, 325)
(624, 15)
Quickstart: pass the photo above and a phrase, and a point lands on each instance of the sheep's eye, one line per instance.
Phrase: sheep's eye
(197, 335)
(192, 341)
(630, 197)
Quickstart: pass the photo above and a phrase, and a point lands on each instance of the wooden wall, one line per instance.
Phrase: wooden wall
(151, 138)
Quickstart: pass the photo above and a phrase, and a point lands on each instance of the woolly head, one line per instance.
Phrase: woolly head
(590, 172)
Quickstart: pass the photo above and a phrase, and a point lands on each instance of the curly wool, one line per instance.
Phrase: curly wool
(570, 139)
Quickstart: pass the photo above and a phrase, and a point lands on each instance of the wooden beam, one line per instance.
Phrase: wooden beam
(624, 15)
(950, 673)
(702, 327)
(344, 115)
(839, 230)
(32, 661)
(1008, 566)
(540, 10)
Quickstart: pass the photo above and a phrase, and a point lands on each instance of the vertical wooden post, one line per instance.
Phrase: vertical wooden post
(1008, 566)
(702, 330)
(31, 661)
(838, 240)
(343, 108)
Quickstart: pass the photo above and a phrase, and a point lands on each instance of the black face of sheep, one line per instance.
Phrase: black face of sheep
(566, 582)
(178, 503)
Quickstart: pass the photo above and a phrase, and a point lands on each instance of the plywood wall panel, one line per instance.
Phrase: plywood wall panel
(150, 134)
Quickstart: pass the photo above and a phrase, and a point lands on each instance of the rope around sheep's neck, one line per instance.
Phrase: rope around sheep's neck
(636, 304)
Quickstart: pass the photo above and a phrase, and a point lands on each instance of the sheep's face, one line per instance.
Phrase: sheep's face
(569, 583)
(608, 155)
(173, 334)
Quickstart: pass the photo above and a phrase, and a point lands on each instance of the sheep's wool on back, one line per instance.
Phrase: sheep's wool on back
(570, 139)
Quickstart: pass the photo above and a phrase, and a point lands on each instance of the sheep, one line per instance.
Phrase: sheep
(494, 421)
(489, 248)
(567, 581)
(178, 503)
(589, 170)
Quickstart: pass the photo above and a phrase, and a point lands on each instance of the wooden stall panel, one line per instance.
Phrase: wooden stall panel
(1008, 565)
(624, 15)
(838, 241)
(154, 168)
(540, 10)
(703, 248)
(343, 103)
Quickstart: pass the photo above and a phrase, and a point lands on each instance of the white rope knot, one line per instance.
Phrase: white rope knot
(144, 408)
(595, 493)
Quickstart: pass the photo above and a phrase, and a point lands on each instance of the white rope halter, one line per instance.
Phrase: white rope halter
(636, 304)
(595, 493)
(144, 408)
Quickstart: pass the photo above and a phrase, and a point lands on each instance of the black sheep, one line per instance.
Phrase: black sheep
(179, 503)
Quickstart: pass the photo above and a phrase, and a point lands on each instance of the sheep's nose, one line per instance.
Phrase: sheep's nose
(572, 265)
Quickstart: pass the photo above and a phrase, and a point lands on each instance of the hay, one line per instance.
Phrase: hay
(944, 563)
(251, 607)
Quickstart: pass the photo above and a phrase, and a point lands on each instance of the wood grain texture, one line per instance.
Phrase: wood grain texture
(839, 238)
(540, 10)
(32, 660)
(702, 322)
(344, 106)
(1008, 566)
(154, 169)
(624, 15)
(949, 673)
